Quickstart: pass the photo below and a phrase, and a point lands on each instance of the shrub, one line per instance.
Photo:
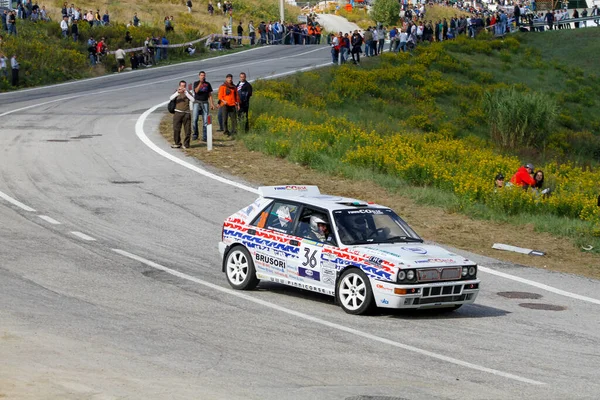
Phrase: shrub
(518, 119)
(385, 11)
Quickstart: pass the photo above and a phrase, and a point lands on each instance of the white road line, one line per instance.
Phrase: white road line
(539, 285)
(329, 324)
(83, 236)
(16, 202)
(49, 219)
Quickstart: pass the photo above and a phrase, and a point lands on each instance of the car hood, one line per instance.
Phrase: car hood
(413, 255)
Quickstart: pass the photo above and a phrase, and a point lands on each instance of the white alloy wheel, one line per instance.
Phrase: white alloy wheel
(354, 292)
(239, 269)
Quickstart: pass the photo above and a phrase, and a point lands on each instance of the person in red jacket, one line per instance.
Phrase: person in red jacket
(523, 176)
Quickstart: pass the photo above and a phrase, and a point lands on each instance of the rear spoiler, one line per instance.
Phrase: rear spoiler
(288, 190)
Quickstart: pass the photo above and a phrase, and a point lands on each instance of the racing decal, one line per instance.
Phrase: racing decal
(383, 287)
(328, 276)
(312, 243)
(309, 273)
(284, 216)
(436, 260)
(385, 301)
(375, 260)
(366, 211)
(269, 261)
(302, 285)
(276, 242)
(291, 187)
(418, 250)
(328, 264)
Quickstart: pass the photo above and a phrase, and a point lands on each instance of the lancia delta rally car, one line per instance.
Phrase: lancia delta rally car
(361, 253)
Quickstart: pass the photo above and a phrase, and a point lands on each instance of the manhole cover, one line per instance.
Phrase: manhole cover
(126, 182)
(57, 140)
(539, 306)
(520, 295)
(375, 398)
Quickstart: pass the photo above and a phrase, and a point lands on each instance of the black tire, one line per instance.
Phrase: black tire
(353, 292)
(239, 269)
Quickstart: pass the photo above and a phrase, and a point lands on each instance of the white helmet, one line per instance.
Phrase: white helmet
(314, 221)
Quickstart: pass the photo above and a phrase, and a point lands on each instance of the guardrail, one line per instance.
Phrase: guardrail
(178, 45)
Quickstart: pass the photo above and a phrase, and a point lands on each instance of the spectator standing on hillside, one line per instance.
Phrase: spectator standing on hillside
(136, 20)
(64, 27)
(3, 68)
(105, 18)
(381, 38)
(14, 66)
(368, 37)
(4, 20)
(181, 117)
(356, 42)
(75, 31)
(12, 23)
(163, 53)
(595, 12)
(189, 6)
(128, 38)
(576, 15)
(240, 32)
(584, 14)
(549, 17)
(523, 176)
(252, 33)
(120, 56)
(203, 102)
(211, 8)
(92, 50)
(230, 102)
(244, 89)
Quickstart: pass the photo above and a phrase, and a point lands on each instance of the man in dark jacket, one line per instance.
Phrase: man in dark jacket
(244, 89)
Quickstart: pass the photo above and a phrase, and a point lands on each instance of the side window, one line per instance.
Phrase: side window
(279, 216)
(315, 225)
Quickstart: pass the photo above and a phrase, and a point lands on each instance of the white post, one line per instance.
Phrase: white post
(209, 133)
(281, 13)
(340, 57)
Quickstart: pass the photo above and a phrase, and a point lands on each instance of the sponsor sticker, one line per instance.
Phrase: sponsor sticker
(269, 261)
(436, 260)
(418, 250)
(385, 301)
(366, 211)
(328, 276)
(309, 273)
(291, 187)
(382, 287)
(375, 260)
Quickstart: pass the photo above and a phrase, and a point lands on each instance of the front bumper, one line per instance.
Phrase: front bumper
(426, 295)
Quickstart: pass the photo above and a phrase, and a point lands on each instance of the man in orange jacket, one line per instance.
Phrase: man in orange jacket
(230, 101)
(523, 176)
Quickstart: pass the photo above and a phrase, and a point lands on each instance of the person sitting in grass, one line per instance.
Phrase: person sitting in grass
(523, 176)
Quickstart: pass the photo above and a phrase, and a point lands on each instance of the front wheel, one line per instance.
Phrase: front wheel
(354, 292)
(239, 269)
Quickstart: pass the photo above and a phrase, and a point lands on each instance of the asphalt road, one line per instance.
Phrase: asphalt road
(142, 311)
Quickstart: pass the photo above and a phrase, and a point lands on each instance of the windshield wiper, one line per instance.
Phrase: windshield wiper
(403, 239)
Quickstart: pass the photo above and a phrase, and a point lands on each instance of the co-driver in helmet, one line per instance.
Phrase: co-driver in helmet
(319, 229)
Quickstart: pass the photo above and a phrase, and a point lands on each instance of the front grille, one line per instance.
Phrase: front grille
(442, 299)
(441, 290)
(439, 274)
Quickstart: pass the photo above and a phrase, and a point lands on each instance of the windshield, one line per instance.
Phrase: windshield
(372, 226)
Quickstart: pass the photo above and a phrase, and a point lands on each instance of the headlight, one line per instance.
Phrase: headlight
(401, 275)
(472, 270)
(465, 271)
(410, 275)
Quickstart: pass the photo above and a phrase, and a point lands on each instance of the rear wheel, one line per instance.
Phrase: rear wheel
(354, 292)
(239, 269)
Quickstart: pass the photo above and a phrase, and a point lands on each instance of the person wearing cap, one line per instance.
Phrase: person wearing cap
(499, 181)
(523, 176)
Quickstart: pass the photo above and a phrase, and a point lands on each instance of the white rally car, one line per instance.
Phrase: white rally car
(361, 253)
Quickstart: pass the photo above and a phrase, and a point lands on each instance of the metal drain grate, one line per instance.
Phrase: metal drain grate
(540, 306)
(520, 295)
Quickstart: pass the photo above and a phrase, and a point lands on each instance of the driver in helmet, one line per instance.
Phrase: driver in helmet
(319, 229)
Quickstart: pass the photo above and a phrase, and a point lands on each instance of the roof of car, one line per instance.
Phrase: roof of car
(311, 195)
